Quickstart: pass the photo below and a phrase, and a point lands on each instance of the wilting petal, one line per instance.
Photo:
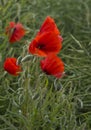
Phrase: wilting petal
(45, 44)
(11, 67)
(49, 25)
(53, 65)
(15, 32)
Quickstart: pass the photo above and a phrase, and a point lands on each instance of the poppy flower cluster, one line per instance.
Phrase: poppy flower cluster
(47, 44)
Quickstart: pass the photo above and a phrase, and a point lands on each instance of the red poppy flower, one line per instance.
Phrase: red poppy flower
(53, 65)
(10, 65)
(47, 40)
(15, 32)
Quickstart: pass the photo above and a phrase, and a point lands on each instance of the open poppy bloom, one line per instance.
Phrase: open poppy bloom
(53, 65)
(10, 65)
(47, 40)
(15, 31)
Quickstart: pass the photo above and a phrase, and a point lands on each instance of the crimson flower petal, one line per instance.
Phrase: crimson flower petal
(15, 32)
(45, 44)
(49, 25)
(11, 67)
(52, 65)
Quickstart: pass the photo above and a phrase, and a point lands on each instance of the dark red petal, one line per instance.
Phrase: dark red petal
(45, 44)
(12, 24)
(50, 42)
(53, 65)
(11, 67)
(34, 50)
(18, 33)
(49, 25)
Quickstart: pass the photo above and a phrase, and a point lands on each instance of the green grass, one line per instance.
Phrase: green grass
(33, 100)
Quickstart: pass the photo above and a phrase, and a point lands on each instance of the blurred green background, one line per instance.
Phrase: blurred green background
(33, 100)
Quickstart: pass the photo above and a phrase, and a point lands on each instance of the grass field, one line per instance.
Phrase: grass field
(34, 100)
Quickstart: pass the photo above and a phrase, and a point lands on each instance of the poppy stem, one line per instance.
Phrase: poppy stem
(26, 58)
(20, 60)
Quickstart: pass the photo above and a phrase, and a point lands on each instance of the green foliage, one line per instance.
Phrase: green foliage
(33, 100)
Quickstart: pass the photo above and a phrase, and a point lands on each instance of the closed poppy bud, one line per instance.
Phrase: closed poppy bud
(52, 65)
(48, 39)
(15, 31)
(10, 65)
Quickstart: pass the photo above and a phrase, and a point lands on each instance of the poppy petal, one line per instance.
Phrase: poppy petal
(52, 65)
(11, 67)
(45, 44)
(49, 25)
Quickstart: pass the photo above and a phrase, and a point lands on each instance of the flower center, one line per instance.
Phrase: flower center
(41, 46)
(46, 72)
